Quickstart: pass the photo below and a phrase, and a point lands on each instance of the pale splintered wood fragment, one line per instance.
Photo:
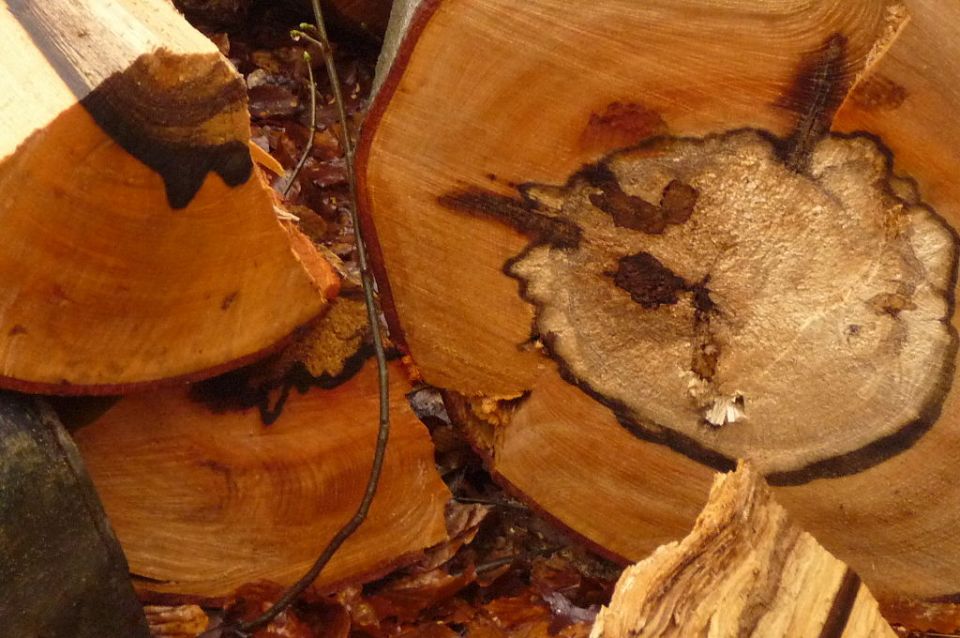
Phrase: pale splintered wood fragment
(744, 570)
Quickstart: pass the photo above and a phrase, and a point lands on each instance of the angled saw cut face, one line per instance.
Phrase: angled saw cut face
(731, 306)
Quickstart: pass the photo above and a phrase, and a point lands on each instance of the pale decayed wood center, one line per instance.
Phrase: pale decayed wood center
(729, 305)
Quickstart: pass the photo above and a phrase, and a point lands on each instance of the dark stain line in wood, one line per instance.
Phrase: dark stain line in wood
(818, 90)
(142, 120)
(843, 601)
(247, 387)
(520, 214)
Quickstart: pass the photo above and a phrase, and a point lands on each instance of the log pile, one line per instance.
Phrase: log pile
(638, 249)
(646, 240)
(145, 248)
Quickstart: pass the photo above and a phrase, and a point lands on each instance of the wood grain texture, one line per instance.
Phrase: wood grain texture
(62, 572)
(648, 489)
(206, 501)
(482, 97)
(744, 570)
(141, 243)
(502, 100)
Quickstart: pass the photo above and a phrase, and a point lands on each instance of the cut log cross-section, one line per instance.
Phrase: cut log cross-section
(692, 240)
(140, 242)
(205, 499)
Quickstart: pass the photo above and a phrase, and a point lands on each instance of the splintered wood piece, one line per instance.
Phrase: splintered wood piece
(745, 570)
(140, 243)
(61, 569)
(204, 501)
(699, 232)
(185, 621)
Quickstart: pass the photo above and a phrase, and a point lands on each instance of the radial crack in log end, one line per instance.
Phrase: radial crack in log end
(806, 313)
(818, 91)
(745, 570)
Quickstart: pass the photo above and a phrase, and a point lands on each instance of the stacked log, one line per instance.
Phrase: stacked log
(632, 243)
(636, 242)
(143, 249)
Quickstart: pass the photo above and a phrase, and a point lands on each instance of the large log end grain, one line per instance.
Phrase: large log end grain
(698, 232)
(62, 572)
(206, 497)
(745, 570)
(140, 242)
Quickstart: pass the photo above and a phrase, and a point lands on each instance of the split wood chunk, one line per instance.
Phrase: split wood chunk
(699, 232)
(744, 570)
(140, 242)
(205, 501)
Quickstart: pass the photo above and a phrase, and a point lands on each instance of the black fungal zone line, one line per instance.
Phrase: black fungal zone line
(238, 390)
(130, 114)
(819, 88)
(562, 234)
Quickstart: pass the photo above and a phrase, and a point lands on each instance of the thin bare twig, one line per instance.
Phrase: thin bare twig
(494, 502)
(313, 124)
(366, 278)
